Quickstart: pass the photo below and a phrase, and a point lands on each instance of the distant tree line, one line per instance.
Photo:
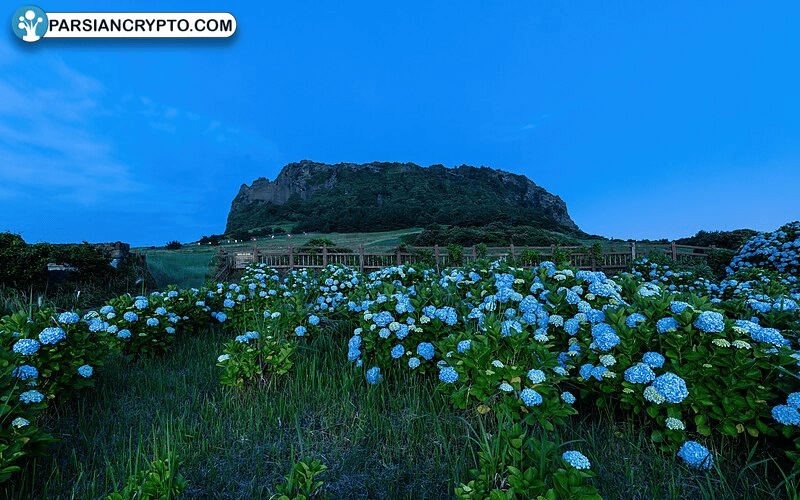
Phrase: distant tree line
(494, 234)
(730, 240)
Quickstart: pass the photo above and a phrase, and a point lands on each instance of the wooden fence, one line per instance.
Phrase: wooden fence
(614, 256)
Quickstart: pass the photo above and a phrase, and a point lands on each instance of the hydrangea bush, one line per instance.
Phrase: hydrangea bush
(524, 348)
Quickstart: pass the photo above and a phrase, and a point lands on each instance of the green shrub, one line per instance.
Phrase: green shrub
(159, 481)
(301, 482)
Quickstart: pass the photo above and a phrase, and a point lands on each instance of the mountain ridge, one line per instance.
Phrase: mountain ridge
(384, 196)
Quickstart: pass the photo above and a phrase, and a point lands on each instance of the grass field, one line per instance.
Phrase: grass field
(381, 442)
(400, 439)
(380, 238)
(185, 268)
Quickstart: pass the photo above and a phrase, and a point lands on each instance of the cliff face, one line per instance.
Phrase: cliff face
(301, 179)
(306, 191)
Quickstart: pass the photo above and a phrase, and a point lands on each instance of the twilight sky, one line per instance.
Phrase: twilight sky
(649, 121)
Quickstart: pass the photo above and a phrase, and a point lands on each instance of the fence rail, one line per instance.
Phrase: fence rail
(614, 256)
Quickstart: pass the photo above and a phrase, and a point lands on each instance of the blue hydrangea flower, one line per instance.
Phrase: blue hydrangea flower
(675, 424)
(571, 326)
(667, 324)
(448, 315)
(769, 335)
(672, 387)
(425, 349)
(313, 320)
(786, 415)
(124, 334)
(25, 372)
(640, 374)
(152, 322)
(598, 371)
(221, 317)
(398, 351)
(68, 318)
(20, 422)
(31, 396)
(161, 311)
(448, 375)
(413, 363)
(653, 359)
(576, 459)
(651, 394)
(608, 360)
(52, 335)
(26, 347)
(463, 346)
(793, 400)
(382, 319)
(634, 319)
(605, 337)
(536, 376)
(85, 371)
(677, 306)
(696, 455)
(402, 332)
(300, 331)
(710, 322)
(530, 397)
(374, 375)
(141, 303)
(96, 325)
(353, 354)
(130, 316)
(586, 371)
(568, 397)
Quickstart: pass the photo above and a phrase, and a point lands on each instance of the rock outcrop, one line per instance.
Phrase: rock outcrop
(309, 186)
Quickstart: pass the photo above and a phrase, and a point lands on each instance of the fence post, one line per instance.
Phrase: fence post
(255, 251)
(397, 253)
(674, 251)
(291, 257)
(513, 257)
(633, 251)
(594, 262)
(361, 259)
(436, 256)
(324, 256)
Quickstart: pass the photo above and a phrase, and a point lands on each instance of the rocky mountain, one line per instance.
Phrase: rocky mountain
(385, 196)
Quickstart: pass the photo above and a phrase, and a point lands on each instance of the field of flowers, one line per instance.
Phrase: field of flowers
(700, 366)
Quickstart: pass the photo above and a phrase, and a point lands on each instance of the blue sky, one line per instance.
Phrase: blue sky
(650, 121)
